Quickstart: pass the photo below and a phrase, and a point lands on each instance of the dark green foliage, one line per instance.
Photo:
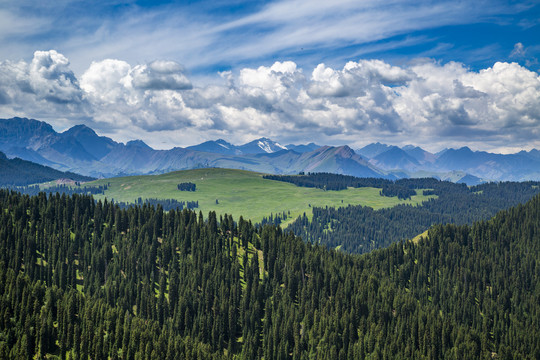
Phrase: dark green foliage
(89, 280)
(166, 204)
(18, 172)
(187, 186)
(359, 229)
(62, 189)
(274, 219)
(329, 181)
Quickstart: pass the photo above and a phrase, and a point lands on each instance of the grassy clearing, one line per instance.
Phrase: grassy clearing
(417, 238)
(240, 192)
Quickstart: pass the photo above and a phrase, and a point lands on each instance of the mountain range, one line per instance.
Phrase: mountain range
(79, 149)
(18, 172)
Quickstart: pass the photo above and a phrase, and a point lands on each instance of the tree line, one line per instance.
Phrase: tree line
(336, 182)
(61, 188)
(165, 204)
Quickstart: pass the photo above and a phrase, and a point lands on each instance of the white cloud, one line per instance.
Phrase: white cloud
(106, 81)
(423, 103)
(518, 51)
(160, 75)
(50, 78)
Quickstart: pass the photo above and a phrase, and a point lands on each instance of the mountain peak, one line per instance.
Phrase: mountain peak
(373, 149)
(138, 143)
(261, 145)
(80, 129)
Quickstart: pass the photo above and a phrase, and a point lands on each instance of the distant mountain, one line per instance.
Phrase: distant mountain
(395, 158)
(262, 145)
(339, 160)
(258, 146)
(25, 133)
(303, 148)
(421, 155)
(17, 172)
(219, 146)
(97, 146)
(82, 151)
(513, 167)
(372, 150)
(470, 180)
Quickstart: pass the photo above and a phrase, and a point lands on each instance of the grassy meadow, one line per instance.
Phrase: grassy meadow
(240, 192)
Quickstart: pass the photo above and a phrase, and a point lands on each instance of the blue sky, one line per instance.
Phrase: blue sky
(212, 46)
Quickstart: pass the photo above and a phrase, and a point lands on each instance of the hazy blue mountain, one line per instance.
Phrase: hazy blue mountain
(37, 141)
(372, 150)
(533, 154)
(470, 180)
(258, 146)
(97, 146)
(262, 145)
(303, 148)
(18, 172)
(339, 160)
(219, 146)
(419, 154)
(24, 133)
(29, 155)
(395, 158)
(81, 150)
(490, 166)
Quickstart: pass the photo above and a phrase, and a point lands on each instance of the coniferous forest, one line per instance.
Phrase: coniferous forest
(81, 279)
(360, 229)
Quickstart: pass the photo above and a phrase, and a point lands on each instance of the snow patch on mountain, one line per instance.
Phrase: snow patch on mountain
(270, 146)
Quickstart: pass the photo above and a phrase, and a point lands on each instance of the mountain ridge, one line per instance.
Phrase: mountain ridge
(80, 149)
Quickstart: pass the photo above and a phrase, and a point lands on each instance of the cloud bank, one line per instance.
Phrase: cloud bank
(425, 103)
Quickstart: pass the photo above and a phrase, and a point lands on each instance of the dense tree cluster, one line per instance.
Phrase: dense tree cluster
(329, 181)
(187, 186)
(275, 219)
(62, 189)
(166, 204)
(359, 229)
(84, 279)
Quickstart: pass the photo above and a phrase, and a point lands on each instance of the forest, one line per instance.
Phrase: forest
(81, 279)
(61, 188)
(336, 182)
(360, 229)
(165, 204)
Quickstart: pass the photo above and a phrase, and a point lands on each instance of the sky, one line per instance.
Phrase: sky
(175, 73)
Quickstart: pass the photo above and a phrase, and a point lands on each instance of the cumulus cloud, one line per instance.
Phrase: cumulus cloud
(424, 103)
(160, 75)
(44, 88)
(51, 79)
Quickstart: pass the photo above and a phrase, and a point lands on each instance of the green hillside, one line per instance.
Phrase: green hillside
(242, 192)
